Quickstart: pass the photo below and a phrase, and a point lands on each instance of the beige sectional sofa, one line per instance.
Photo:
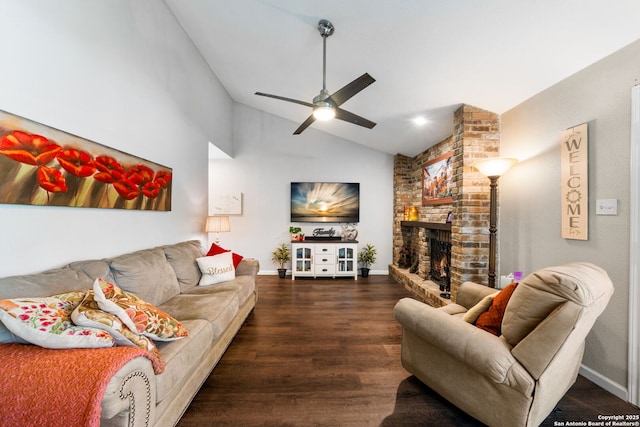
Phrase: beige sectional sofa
(167, 277)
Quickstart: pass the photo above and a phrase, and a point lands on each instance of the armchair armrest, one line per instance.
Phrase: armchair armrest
(470, 293)
(489, 355)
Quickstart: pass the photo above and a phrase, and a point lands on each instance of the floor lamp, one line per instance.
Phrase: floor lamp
(493, 168)
(217, 224)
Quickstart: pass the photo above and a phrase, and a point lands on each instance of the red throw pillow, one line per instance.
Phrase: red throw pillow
(491, 320)
(215, 250)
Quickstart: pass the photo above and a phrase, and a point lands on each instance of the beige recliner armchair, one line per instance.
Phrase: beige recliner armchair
(515, 379)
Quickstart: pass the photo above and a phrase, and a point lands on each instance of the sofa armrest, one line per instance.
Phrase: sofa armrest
(486, 353)
(470, 293)
(248, 267)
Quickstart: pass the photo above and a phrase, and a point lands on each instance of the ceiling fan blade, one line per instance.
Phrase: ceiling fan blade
(344, 94)
(282, 98)
(353, 118)
(305, 125)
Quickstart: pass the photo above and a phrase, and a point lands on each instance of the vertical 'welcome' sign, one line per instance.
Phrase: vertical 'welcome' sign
(574, 160)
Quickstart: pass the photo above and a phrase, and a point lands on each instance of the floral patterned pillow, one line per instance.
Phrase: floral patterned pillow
(47, 322)
(88, 314)
(138, 315)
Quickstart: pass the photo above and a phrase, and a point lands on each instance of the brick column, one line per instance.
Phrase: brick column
(476, 135)
(402, 196)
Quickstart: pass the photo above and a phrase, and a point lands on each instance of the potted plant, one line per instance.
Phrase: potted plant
(281, 256)
(296, 234)
(366, 257)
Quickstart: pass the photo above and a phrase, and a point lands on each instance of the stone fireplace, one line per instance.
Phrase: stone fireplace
(476, 135)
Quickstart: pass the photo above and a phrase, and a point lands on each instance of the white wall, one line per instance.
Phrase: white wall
(268, 158)
(121, 73)
(530, 219)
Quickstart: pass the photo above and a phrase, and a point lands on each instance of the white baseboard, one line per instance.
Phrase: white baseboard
(270, 272)
(604, 382)
(379, 272)
(275, 272)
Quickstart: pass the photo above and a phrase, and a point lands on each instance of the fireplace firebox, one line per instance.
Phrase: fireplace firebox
(440, 260)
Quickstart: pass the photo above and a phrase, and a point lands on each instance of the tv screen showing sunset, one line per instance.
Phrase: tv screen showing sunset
(325, 202)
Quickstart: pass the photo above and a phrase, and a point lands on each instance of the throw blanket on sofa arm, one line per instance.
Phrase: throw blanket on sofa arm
(45, 387)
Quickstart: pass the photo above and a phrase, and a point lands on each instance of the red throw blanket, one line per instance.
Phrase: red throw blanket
(44, 387)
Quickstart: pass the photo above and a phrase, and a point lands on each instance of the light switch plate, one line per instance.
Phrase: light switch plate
(607, 207)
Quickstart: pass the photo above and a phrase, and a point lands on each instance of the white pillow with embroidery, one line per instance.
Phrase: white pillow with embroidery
(216, 269)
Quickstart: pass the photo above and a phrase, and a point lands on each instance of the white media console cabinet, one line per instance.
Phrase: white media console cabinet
(321, 258)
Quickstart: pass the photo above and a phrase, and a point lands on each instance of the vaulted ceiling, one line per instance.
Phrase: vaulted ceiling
(427, 56)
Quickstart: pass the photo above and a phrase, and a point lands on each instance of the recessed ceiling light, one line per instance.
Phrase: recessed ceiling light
(419, 120)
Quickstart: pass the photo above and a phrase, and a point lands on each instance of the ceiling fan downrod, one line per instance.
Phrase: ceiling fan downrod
(326, 29)
(324, 109)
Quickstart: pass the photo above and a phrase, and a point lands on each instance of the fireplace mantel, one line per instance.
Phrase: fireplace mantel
(428, 225)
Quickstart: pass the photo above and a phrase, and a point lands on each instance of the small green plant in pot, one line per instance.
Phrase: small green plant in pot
(366, 257)
(280, 257)
(296, 233)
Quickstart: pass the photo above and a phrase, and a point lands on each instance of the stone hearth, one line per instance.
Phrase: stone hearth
(424, 290)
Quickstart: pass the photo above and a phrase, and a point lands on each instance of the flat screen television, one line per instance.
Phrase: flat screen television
(325, 202)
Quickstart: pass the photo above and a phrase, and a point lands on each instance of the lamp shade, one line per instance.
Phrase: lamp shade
(217, 224)
(494, 166)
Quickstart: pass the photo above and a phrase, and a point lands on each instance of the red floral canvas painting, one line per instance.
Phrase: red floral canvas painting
(40, 165)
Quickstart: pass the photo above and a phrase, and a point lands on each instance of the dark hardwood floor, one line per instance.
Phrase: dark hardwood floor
(327, 353)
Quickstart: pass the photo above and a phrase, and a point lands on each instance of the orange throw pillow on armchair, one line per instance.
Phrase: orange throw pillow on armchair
(491, 320)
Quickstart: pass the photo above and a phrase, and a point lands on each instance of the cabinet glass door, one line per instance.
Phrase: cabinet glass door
(346, 259)
(303, 259)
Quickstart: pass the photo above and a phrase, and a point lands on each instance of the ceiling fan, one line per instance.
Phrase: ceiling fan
(325, 106)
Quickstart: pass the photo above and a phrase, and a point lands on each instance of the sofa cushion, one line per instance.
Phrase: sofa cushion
(216, 269)
(244, 286)
(218, 307)
(138, 315)
(89, 314)
(46, 321)
(182, 257)
(182, 357)
(94, 269)
(146, 273)
(491, 320)
(44, 284)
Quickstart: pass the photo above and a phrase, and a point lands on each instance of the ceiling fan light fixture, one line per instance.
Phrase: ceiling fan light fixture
(326, 106)
(324, 112)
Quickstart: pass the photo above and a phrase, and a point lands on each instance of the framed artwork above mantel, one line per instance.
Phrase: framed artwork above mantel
(437, 180)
